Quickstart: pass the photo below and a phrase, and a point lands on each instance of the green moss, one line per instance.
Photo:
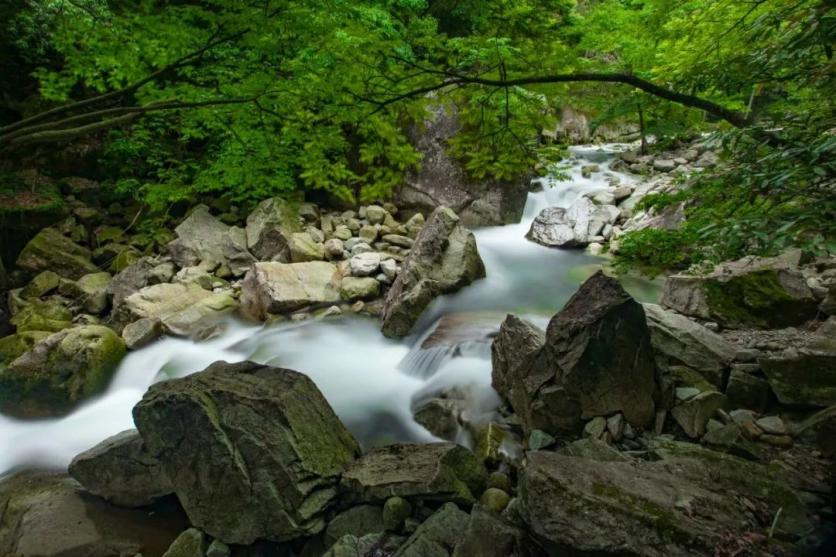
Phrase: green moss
(751, 298)
(14, 345)
(42, 315)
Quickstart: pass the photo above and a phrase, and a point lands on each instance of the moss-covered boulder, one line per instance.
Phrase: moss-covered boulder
(52, 251)
(51, 315)
(443, 260)
(90, 291)
(13, 346)
(60, 371)
(41, 285)
(435, 471)
(750, 292)
(252, 451)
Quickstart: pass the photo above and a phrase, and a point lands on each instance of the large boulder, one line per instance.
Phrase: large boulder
(750, 292)
(275, 288)
(44, 515)
(60, 371)
(678, 340)
(269, 229)
(804, 375)
(435, 471)
(129, 280)
(252, 451)
(120, 470)
(574, 227)
(595, 360)
(90, 291)
(52, 251)
(183, 308)
(685, 501)
(443, 260)
(443, 181)
(203, 239)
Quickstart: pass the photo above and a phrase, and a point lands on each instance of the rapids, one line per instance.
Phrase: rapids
(369, 380)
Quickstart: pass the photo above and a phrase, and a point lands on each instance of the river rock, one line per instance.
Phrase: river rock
(434, 471)
(120, 470)
(805, 375)
(364, 264)
(442, 181)
(90, 290)
(51, 314)
(17, 344)
(252, 451)
(749, 292)
(46, 515)
(50, 250)
(551, 228)
(438, 535)
(443, 260)
(275, 288)
(685, 502)
(183, 309)
(203, 239)
(596, 360)
(359, 288)
(60, 371)
(679, 340)
(269, 230)
(304, 248)
(357, 521)
(131, 279)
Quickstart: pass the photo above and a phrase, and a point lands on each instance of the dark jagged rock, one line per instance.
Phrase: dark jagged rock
(443, 260)
(435, 471)
(805, 375)
(252, 451)
(120, 470)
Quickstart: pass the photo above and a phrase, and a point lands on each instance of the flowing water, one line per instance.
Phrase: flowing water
(369, 380)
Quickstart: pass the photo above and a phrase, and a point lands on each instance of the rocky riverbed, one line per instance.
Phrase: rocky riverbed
(701, 425)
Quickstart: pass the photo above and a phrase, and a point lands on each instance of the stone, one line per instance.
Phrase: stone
(342, 232)
(252, 451)
(539, 439)
(552, 228)
(201, 238)
(364, 264)
(90, 290)
(595, 360)
(161, 273)
(395, 511)
(693, 414)
(370, 544)
(745, 390)
(615, 427)
(334, 248)
(489, 535)
(443, 260)
(621, 193)
(434, 471)
(50, 315)
(679, 340)
(438, 535)
(651, 507)
(218, 549)
(398, 240)
(275, 288)
(304, 248)
(441, 180)
(664, 165)
(494, 499)
(376, 214)
(595, 428)
(120, 470)
(772, 425)
(46, 514)
(368, 234)
(60, 371)
(43, 283)
(357, 521)
(501, 481)
(733, 439)
(820, 429)
(439, 416)
(183, 309)
(359, 288)
(360, 247)
(132, 279)
(803, 376)
(51, 251)
(749, 292)
(15, 345)
(191, 543)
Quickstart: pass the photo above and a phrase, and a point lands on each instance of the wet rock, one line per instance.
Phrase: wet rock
(750, 292)
(772, 425)
(593, 449)
(120, 470)
(439, 416)
(201, 238)
(359, 288)
(435, 471)
(685, 503)
(52, 251)
(804, 376)
(191, 543)
(274, 288)
(539, 439)
(679, 340)
(443, 260)
(552, 228)
(438, 535)
(252, 451)
(357, 521)
(60, 371)
(269, 230)
(50, 514)
(596, 360)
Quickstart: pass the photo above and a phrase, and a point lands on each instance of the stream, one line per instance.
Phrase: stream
(370, 381)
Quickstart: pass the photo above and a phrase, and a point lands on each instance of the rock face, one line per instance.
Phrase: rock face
(595, 360)
(442, 181)
(269, 230)
(50, 514)
(749, 292)
(252, 451)
(274, 288)
(120, 470)
(683, 503)
(201, 238)
(436, 471)
(444, 259)
(52, 251)
(60, 371)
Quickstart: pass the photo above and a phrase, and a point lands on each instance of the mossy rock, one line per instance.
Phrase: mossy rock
(42, 284)
(13, 346)
(52, 251)
(43, 315)
(60, 371)
(28, 202)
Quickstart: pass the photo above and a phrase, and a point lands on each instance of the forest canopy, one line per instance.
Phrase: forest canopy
(270, 97)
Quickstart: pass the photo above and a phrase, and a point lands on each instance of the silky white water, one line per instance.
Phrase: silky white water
(363, 375)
